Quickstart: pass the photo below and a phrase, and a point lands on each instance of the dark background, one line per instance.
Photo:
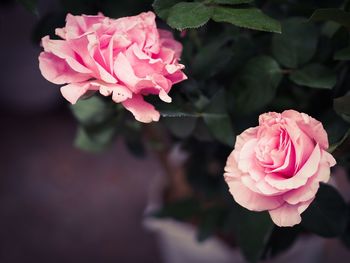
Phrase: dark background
(57, 203)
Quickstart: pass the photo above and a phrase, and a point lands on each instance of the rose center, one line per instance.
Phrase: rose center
(275, 154)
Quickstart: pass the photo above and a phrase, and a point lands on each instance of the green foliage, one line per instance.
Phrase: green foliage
(97, 126)
(211, 218)
(232, 2)
(314, 76)
(191, 209)
(92, 111)
(280, 240)
(259, 78)
(327, 214)
(252, 232)
(297, 44)
(335, 145)
(221, 128)
(188, 15)
(163, 7)
(180, 210)
(212, 59)
(251, 18)
(342, 107)
(343, 54)
(332, 14)
(337, 130)
(94, 139)
(213, 112)
(218, 120)
(183, 15)
(235, 75)
(181, 127)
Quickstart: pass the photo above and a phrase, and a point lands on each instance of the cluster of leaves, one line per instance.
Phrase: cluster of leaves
(242, 73)
(241, 62)
(193, 14)
(100, 122)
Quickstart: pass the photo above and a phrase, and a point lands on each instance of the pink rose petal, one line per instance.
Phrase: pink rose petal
(143, 111)
(301, 177)
(251, 200)
(56, 70)
(72, 92)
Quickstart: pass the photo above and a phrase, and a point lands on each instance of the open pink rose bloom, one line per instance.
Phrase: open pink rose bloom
(126, 58)
(278, 165)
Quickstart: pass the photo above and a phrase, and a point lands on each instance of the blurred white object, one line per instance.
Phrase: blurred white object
(178, 243)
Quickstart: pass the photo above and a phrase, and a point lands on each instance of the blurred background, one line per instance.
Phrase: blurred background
(57, 203)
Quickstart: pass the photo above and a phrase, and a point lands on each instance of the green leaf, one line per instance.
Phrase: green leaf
(94, 140)
(327, 214)
(92, 111)
(332, 14)
(252, 232)
(162, 7)
(221, 128)
(314, 76)
(201, 132)
(342, 107)
(188, 15)
(335, 127)
(343, 54)
(281, 239)
(297, 44)
(181, 127)
(218, 121)
(211, 59)
(232, 2)
(257, 84)
(98, 121)
(210, 219)
(334, 146)
(251, 18)
(329, 29)
(30, 5)
(182, 15)
(180, 210)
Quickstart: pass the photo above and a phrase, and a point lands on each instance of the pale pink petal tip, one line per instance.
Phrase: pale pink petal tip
(142, 111)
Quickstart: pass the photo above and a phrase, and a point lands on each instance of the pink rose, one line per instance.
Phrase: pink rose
(278, 165)
(126, 58)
